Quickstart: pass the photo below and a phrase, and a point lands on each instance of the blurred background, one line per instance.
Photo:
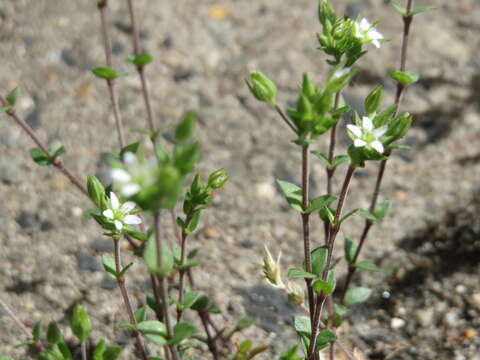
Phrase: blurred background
(426, 300)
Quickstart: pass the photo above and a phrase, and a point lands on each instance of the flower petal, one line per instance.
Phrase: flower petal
(380, 131)
(367, 123)
(130, 189)
(130, 159)
(118, 225)
(355, 130)
(127, 207)
(108, 214)
(377, 145)
(120, 176)
(132, 220)
(376, 43)
(364, 25)
(373, 34)
(359, 143)
(114, 203)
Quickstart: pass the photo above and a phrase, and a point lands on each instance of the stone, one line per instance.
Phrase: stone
(397, 323)
(425, 317)
(86, 261)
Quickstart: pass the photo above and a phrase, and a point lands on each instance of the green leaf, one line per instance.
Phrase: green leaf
(319, 259)
(65, 350)
(193, 223)
(300, 274)
(320, 202)
(349, 214)
(13, 96)
(322, 156)
(140, 60)
(325, 287)
(99, 350)
(350, 249)
(373, 100)
(124, 270)
(398, 8)
(36, 331)
(290, 354)
(326, 214)
(339, 159)
(40, 157)
(186, 127)
(61, 150)
(154, 331)
(404, 77)
(80, 323)
(421, 9)
(367, 266)
(109, 266)
(357, 295)
(201, 304)
(53, 333)
(244, 323)
(133, 148)
(367, 215)
(105, 73)
(340, 111)
(381, 209)
(96, 192)
(185, 157)
(112, 352)
(141, 314)
(302, 325)
(292, 193)
(150, 258)
(189, 299)
(340, 310)
(245, 346)
(324, 338)
(181, 331)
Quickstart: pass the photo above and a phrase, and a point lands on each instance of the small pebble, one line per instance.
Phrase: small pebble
(265, 190)
(451, 319)
(425, 317)
(397, 323)
(474, 300)
(461, 289)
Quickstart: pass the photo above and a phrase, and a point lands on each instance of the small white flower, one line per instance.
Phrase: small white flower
(120, 214)
(132, 176)
(339, 73)
(366, 32)
(367, 135)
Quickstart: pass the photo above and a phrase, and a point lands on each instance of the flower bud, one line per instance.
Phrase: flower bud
(218, 178)
(295, 293)
(308, 89)
(262, 87)
(326, 13)
(271, 269)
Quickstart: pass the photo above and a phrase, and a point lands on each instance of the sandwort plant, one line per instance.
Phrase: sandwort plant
(374, 134)
(148, 188)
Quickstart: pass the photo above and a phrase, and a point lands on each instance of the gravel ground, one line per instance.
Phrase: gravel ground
(426, 302)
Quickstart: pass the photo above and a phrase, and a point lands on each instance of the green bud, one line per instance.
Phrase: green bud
(53, 333)
(96, 191)
(186, 127)
(262, 87)
(304, 108)
(373, 100)
(218, 178)
(398, 127)
(326, 13)
(308, 89)
(80, 323)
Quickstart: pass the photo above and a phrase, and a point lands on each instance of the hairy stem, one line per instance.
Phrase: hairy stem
(212, 346)
(58, 163)
(285, 118)
(102, 7)
(306, 226)
(20, 325)
(163, 289)
(407, 21)
(140, 70)
(335, 228)
(126, 300)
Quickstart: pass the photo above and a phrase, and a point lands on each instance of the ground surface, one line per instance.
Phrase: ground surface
(428, 249)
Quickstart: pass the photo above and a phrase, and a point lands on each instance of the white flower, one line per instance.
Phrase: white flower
(132, 176)
(367, 135)
(120, 215)
(366, 32)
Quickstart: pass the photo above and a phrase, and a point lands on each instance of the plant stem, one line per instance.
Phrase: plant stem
(331, 149)
(331, 241)
(102, 7)
(285, 118)
(163, 290)
(407, 21)
(126, 300)
(21, 326)
(211, 341)
(183, 246)
(83, 345)
(58, 163)
(306, 226)
(140, 70)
